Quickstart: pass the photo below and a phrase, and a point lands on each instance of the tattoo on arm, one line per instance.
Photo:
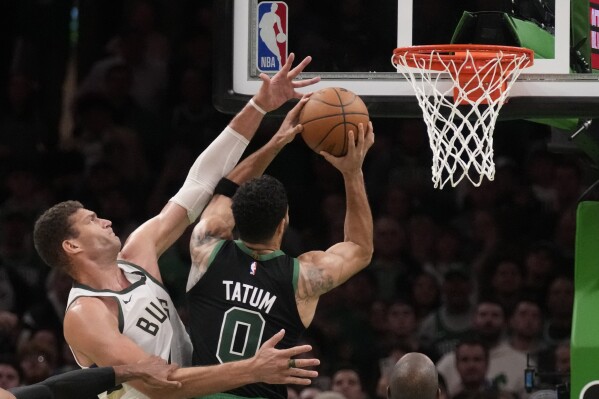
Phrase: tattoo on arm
(200, 248)
(314, 282)
(198, 240)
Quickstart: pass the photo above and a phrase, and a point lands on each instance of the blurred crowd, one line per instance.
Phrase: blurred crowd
(478, 278)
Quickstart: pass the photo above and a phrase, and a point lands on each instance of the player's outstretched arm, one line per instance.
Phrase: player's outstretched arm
(93, 333)
(153, 371)
(160, 232)
(321, 271)
(273, 93)
(217, 220)
(269, 365)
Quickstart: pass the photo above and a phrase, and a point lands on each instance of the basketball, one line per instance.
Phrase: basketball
(328, 116)
(281, 37)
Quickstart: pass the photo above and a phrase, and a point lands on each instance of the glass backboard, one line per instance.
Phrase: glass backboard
(351, 43)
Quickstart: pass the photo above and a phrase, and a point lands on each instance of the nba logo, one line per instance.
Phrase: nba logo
(272, 36)
(253, 268)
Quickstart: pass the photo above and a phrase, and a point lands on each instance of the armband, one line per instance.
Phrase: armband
(226, 187)
(257, 107)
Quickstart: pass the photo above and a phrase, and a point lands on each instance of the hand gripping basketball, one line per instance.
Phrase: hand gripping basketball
(327, 118)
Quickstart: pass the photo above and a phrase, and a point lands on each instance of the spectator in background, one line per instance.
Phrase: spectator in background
(26, 192)
(422, 237)
(564, 234)
(9, 331)
(309, 392)
(386, 367)
(505, 364)
(568, 180)
(425, 295)
(397, 203)
(448, 251)
(143, 16)
(194, 122)
(484, 236)
(442, 329)
(347, 381)
(413, 377)
(100, 138)
(37, 359)
(23, 133)
(329, 395)
(501, 278)
(554, 365)
(559, 308)
(471, 364)
(402, 329)
(541, 263)
(525, 326)
(390, 263)
(19, 263)
(146, 78)
(540, 170)
(10, 372)
(48, 312)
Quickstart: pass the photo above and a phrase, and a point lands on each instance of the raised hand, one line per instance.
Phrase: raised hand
(275, 366)
(356, 152)
(277, 90)
(290, 126)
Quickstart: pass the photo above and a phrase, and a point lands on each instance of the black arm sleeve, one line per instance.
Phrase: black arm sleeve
(77, 384)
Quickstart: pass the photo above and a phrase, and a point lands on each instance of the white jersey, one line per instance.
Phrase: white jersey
(147, 316)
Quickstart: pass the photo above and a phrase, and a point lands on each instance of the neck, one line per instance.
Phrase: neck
(108, 278)
(261, 248)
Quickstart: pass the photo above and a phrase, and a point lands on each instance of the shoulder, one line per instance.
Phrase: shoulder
(88, 311)
(446, 361)
(86, 307)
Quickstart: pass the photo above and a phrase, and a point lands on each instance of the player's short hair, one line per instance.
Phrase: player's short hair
(51, 229)
(258, 207)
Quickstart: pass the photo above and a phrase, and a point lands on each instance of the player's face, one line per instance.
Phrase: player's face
(95, 234)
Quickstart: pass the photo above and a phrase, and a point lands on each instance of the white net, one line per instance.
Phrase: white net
(460, 113)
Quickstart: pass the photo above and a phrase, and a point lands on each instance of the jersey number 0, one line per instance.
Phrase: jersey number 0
(240, 335)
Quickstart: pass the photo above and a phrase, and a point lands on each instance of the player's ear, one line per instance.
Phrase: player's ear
(282, 225)
(70, 247)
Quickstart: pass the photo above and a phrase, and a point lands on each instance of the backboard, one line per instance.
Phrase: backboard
(351, 43)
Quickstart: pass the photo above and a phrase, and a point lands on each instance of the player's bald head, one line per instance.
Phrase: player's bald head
(414, 376)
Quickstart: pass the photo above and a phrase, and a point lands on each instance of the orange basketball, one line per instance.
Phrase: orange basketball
(328, 116)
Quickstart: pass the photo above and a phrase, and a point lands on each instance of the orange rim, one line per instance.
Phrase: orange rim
(415, 56)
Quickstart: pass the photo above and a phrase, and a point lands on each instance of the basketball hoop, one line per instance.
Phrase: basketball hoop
(461, 131)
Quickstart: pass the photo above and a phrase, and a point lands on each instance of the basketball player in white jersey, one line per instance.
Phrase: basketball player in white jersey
(118, 311)
(250, 282)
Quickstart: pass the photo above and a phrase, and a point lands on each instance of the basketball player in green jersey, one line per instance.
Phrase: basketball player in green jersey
(240, 292)
(119, 312)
